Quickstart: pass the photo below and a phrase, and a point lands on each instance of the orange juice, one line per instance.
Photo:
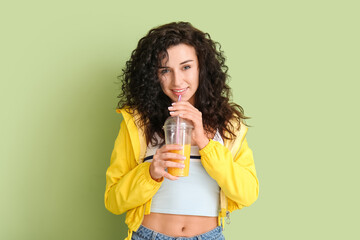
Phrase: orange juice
(181, 172)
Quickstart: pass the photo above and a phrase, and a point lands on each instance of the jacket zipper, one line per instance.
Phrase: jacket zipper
(227, 219)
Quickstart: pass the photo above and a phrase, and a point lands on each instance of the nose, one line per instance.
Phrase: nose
(177, 78)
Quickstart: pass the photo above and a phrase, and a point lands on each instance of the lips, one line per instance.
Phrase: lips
(179, 91)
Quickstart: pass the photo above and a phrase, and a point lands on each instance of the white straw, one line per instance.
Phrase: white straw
(177, 125)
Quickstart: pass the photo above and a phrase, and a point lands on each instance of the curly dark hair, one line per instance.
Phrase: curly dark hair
(141, 90)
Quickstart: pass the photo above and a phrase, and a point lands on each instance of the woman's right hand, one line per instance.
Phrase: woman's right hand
(161, 161)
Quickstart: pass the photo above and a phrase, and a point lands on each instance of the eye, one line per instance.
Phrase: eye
(187, 67)
(164, 71)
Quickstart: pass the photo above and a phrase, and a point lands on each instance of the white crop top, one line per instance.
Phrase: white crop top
(196, 194)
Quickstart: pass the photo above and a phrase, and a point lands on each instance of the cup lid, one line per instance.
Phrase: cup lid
(173, 121)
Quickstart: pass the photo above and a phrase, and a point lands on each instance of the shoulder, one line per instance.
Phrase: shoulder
(130, 116)
(129, 121)
(240, 130)
(127, 113)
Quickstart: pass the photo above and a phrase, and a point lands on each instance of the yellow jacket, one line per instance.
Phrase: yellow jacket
(130, 188)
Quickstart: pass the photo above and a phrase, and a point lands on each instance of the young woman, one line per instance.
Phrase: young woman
(171, 60)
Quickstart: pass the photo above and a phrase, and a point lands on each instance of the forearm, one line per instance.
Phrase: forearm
(135, 188)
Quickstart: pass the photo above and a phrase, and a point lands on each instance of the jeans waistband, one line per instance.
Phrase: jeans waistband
(148, 234)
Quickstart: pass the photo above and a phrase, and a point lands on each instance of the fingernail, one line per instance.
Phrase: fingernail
(171, 113)
(173, 103)
(183, 157)
(170, 108)
(182, 165)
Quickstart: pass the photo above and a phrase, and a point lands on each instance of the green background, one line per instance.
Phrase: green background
(294, 68)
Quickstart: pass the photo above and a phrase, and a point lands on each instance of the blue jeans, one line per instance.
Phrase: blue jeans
(144, 233)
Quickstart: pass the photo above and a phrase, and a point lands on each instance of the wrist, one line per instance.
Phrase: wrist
(154, 177)
(203, 142)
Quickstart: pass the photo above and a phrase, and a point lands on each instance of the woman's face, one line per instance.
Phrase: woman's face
(179, 74)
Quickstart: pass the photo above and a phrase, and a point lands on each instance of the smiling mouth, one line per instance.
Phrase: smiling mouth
(179, 90)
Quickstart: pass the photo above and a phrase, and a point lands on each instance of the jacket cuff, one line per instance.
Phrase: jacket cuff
(208, 148)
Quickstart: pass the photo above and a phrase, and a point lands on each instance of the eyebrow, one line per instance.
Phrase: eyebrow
(186, 61)
(179, 64)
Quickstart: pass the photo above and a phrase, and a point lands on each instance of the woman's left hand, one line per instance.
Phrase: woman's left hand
(187, 111)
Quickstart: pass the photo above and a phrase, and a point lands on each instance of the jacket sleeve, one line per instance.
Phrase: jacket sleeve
(128, 184)
(236, 175)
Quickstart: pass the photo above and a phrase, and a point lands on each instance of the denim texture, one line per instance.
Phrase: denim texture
(144, 233)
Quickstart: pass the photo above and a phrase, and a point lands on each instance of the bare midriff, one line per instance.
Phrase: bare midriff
(179, 225)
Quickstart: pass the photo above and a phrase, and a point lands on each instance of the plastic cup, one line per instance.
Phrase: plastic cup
(178, 131)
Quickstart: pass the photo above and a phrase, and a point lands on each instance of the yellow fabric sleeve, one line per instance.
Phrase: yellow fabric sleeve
(236, 176)
(128, 184)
